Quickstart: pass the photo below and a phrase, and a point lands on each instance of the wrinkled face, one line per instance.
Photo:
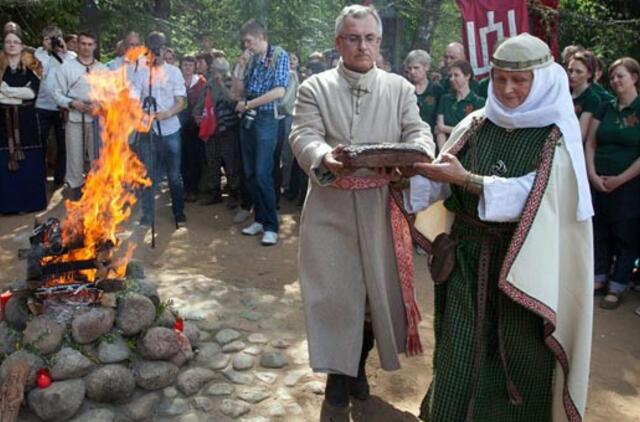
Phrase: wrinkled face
(621, 80)
(188, 68)
(511, 88)
(86, 46)
(133, 40)
(578, 74)
(416, 72)
(453, 53)
(458, 79)
(12, 45)
(359, 43)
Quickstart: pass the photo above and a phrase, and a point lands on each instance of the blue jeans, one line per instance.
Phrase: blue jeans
(158, 155)
(258, 144)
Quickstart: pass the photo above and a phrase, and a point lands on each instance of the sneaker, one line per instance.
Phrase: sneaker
(241, 216)
(611, 300)
(253, 229)
(181, 220)
(269, 238)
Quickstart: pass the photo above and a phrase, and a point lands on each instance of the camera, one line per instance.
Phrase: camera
(57, 42)
(248, 118)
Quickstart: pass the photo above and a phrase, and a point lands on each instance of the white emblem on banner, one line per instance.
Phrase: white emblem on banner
(482, 67)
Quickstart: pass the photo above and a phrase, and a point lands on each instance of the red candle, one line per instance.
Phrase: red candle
(43, 378)
(4, 298)
(179, 325)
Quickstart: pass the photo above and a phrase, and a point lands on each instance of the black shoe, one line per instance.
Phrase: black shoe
(181, 220)
(359, 386)
(336, 393)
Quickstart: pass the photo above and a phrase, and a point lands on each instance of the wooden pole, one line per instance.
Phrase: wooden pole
(12, 390)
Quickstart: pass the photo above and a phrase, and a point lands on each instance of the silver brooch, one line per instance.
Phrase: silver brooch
(499, 168)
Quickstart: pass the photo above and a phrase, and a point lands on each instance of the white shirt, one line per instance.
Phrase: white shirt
(50, 64)
(167, 84)
(132, 68)
(502, 199)
(72, 84)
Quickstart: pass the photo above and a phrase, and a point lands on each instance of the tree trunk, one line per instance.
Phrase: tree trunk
(428, 20)
(162, 9)
(12, 391)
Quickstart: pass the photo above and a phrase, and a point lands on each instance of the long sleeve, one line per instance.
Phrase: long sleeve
(503, 199)
(61, 87)
(307, 137)
(424, 192)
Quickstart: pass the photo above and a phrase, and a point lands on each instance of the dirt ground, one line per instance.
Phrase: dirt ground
(211, 247)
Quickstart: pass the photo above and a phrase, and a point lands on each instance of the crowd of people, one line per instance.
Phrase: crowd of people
(264, 126)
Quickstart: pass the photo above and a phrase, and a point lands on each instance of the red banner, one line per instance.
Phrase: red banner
(485, 22)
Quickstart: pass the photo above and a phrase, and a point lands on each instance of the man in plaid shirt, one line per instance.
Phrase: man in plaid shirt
(260, 82)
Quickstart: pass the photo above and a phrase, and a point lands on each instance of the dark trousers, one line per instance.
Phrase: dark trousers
(258, 143)
(299, 183)
(46, 120)
(223, 152)
(193, 152)
(609, 242)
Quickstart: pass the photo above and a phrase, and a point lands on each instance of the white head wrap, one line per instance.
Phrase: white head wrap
(549, 102)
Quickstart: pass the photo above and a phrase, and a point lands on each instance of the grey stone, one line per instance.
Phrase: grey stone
(269, 324)
(69, 363)
(110, 383)
(134, 270)
(192, 380)
(8, 338)
(273, 360)
(206, 352)
(280, 344)
(220, 389)
(170, 392)
(242, 362)
(234, 408)
(250, 302)
(275, 409)
(135, 314)
(44, 334)
(204, 404)
(173, 407)
(257, 338)
(219, 362)
(159, 343)
(148, 289)
(166, 319)
(35, 362)
(315, 387)
(294, 376)
(255, 419)
(205, 336)
(95, 415)
(233, 347)
(60, 401)
(266, 377)
(113, 349)
(252, 350)
(142, 407)
(236, 377)
(154, 375)
(185, 353)
(16, 313)
(189, 417)
(227, 335)
(209, 324)
(192, 332)
(88, 326)
(253, 394)
(294, 408)
(251, 316)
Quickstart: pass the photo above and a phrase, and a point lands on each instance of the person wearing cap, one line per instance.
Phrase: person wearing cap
(513, 315)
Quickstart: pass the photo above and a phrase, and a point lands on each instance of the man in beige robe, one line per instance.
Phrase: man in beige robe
(346, 257)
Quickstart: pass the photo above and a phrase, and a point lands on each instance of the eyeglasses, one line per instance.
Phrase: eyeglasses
(369, 39)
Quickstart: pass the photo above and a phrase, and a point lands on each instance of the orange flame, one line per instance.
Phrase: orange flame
(109, 191)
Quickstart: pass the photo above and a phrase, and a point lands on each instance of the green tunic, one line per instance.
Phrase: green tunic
(454, 111)
(483, 88)
(589, 101)
(602, 93)
(530, 363)
(474, 85)
(618, 137)
(428, 103)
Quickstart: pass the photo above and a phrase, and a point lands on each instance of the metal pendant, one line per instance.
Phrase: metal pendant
(499, 168)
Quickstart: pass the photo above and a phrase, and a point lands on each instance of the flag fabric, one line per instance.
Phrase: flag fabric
(486, 22)
(209, 121)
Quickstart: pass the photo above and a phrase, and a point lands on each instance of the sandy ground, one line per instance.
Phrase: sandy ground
(211, 247)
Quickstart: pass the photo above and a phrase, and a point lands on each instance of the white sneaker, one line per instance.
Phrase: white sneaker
(269, 238)
(253, 229)
(241, 216)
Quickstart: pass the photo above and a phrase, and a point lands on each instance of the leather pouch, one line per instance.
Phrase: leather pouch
(443, 257)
